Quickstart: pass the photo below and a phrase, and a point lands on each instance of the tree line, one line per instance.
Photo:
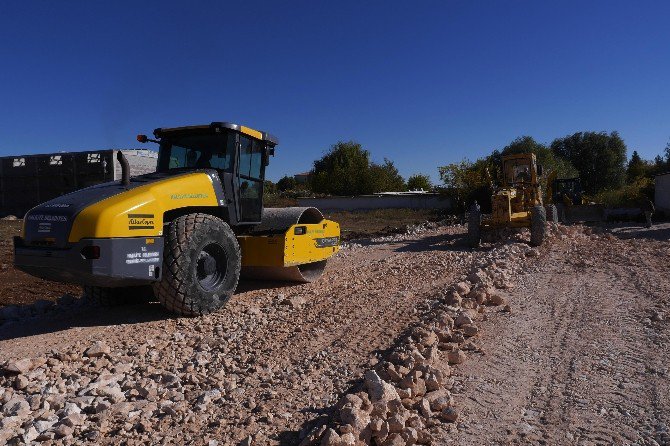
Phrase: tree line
(599, 159)
(347, 170)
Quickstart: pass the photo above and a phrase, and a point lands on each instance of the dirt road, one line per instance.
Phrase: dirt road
(581, 359)
(272, 360)
(584, 357)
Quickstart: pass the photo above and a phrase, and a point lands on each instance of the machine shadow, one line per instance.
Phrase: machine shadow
(82, 315)
(246, 285)
(442, 242)
(659, 233)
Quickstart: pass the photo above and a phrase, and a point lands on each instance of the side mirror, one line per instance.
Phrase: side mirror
(539, 170)
(267, 153)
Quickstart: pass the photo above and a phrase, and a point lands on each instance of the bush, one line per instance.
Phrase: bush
(628, 196)
(419, 181)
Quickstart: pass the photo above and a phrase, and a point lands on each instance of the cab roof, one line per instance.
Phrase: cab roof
(263, 136)
(517, 156)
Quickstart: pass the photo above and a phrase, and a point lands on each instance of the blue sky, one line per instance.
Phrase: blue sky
(421, 83)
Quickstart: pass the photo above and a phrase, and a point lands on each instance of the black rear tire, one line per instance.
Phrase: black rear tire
(474, 227)
(538, 225)
(552, 213)
(201, 265)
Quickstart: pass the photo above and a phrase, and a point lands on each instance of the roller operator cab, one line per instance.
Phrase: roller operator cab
(185, 232)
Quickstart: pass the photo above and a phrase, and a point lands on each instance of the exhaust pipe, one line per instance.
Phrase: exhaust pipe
(125, 168)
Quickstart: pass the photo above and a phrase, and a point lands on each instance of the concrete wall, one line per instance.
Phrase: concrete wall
(367, 202)
(662, 198)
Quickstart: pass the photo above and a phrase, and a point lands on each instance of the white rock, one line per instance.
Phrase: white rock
(17, 406)
(43, 425)
(30, 434)
(19, 366)
(464, 319)
(98, 349)
(378, 389)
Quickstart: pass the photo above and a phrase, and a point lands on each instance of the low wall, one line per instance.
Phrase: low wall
(367, 202)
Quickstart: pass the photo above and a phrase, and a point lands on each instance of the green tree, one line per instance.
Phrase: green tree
(638, 168)
(384, 178)
(269, 187)
(346, 169)
(419, 181)
(286, 183)
(662, 163)
(467, 181)
(341, 171)
(549, 161)
(600, 158)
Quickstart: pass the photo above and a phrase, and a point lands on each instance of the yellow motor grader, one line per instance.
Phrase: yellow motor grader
(185, 232)
(516, 204)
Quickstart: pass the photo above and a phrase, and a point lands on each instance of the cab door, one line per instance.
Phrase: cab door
(250, 175)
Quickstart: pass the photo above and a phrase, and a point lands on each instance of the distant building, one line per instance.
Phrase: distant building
(301, 178)
(662, 194)
(28, 180)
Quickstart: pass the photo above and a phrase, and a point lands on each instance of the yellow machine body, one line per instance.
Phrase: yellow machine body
(139, 212)
(512, 204)
(190, 229)
(130, 222)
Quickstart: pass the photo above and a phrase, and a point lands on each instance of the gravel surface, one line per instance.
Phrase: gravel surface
(406, 339)
(583, 358)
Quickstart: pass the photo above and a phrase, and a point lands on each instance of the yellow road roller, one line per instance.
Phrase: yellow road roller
(185, 232)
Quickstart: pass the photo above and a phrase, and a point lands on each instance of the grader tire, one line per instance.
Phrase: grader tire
(552, 213)
(201, 265)
(474, 228)
(538, 225)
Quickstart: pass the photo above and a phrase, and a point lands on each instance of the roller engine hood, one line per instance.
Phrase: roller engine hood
(50, 224)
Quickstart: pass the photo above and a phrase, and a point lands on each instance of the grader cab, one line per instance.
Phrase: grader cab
(517, 203)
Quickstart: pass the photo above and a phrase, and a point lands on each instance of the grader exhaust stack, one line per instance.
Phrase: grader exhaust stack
(188, 230)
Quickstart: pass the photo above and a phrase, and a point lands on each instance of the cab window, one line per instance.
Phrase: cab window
(208, 151)
(251, 157)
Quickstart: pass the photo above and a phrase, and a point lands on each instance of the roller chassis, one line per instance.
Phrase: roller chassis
(188, 232)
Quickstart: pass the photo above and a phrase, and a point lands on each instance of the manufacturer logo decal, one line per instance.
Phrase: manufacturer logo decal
(188, 196)
(140, 221)
(46, 217)
(327, 242)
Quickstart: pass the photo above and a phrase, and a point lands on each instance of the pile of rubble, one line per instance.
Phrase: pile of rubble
(405, 399)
